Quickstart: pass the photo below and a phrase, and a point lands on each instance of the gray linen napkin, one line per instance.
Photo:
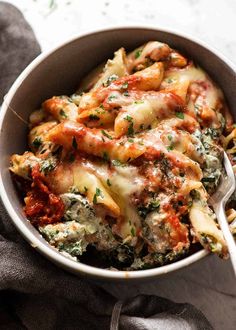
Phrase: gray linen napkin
(18, 46)
(35, 294)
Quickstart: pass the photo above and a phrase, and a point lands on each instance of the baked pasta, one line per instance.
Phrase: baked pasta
(123, 168)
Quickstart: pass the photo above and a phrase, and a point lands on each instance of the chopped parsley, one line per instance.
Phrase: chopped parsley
(112, 97)
(130, 140)
(131, 126)
(155, 204)
(94, 117)
(74, 143)
(99, 111)
(110, 79)
(63, 114)
(131, 129)
(126, 93)
(47, 166)
(170, 147)
(116, 162)
(37, 142)
(105, 156)
(133, 231)
(97, 194)
(108, 182)
(129, 118)
(179, 114)
(125, 85)
(138, 102)
(106, 134)
(138, 53)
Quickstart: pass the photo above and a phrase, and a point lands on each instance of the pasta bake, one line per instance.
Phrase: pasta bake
(122, 170)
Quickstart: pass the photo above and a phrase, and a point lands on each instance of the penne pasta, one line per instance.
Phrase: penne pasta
(126, 165)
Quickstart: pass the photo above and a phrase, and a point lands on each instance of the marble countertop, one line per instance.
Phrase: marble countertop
(210, 283)
(213, 21)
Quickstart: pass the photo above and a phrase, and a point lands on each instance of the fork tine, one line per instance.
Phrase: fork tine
(218, 200)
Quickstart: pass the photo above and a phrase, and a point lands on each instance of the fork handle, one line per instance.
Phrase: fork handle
(223, 222)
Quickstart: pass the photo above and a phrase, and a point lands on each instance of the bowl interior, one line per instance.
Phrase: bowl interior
(60, 73)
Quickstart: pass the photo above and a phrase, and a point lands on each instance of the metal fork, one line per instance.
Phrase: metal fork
(218, 200)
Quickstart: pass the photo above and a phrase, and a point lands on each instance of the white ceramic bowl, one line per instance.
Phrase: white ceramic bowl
(58, 72)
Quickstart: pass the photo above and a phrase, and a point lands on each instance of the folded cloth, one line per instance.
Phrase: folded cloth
(35, 294)
(18, 46)
(38, 295)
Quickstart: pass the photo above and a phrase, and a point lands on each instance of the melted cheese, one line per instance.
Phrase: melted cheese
(123, 145)
(123, 183)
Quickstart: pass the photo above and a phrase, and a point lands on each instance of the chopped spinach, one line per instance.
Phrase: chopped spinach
(37, 142)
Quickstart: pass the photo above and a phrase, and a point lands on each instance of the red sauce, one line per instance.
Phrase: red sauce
(42, 206)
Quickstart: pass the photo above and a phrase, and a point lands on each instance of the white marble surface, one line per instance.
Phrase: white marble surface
(214, 21)
(209, 284)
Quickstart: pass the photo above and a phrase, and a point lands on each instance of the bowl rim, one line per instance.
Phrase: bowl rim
(43, 246)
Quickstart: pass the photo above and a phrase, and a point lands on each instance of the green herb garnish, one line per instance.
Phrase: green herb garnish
(154, 205)
(131, 129)
(108, 182)
(105, 156)
(110, 79)
(47, 166)
(129, 118)
(179, 114)
(170, 147)
(63, 114)
(37, 142)
(133, 231)
(125, 85)
(107, 135)
(112, 97)
(116, 162)
(97, 194)
(138, 53)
